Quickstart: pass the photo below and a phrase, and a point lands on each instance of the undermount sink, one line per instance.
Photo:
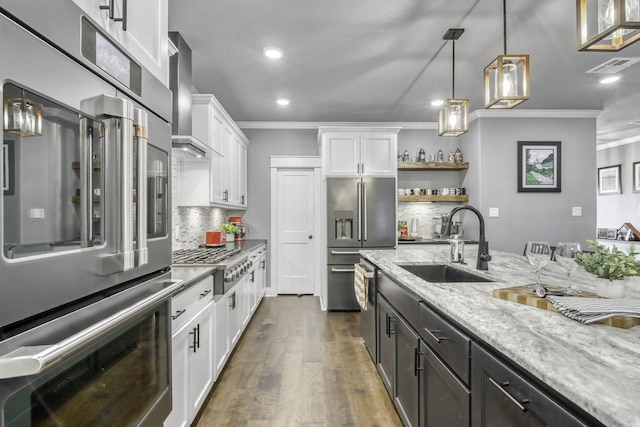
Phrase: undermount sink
(442, 273)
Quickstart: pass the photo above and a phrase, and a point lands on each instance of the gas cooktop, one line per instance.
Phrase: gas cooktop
(202, 255)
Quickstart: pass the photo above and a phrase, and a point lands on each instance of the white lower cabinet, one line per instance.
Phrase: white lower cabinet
(235, 314)
(222, 342)
(192, 369)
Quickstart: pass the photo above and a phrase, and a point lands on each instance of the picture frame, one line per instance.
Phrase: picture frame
(636, 177)
(609, 180)
(539, 167)
(8, 168)
(612, 233)
(602, 233)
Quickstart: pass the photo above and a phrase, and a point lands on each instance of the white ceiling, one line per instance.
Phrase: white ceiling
(384, 60)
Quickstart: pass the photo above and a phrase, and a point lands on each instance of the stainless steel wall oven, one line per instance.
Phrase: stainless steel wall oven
(84, 224)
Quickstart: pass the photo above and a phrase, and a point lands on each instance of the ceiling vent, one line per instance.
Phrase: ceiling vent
(614, 65)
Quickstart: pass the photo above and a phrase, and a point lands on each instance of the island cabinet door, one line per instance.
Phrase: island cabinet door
(386, 344)
(407, 369)
(444, 399)
(503, 397)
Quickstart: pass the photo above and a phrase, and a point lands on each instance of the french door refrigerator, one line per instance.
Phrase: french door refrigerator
(361, 213)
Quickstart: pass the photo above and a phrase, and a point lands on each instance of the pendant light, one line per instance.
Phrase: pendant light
(453, 117)
(506, 79)
(607, 25)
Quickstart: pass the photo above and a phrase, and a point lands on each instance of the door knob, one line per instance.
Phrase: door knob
(310, 237)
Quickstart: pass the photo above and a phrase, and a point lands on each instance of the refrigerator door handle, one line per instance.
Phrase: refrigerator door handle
(364, 202)
(359, 212)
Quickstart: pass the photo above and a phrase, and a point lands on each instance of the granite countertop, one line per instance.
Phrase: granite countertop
(596, 366)
(431, 241)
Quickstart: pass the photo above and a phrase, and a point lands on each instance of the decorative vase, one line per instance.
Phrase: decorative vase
(610, 288)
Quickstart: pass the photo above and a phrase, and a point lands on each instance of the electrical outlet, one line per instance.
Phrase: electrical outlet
(576, 211)
(36, 213)
(494, 212)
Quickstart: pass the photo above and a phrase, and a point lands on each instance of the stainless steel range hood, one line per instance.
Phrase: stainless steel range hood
(184, 144)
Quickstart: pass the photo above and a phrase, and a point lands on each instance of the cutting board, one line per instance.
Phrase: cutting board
(523, 295)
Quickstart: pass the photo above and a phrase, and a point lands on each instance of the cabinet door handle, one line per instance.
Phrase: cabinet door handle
(362, 168)
(205, 293)
(178, 314)
(509, 396)
(392, 331)
(416, 361)
(109, 7)
(195, 340)
(198, 336)
(432, 335)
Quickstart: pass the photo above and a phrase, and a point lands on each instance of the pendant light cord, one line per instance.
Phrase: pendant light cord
(453, 71)
(504, 24)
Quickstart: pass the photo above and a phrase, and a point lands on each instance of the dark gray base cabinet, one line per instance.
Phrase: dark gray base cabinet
(504, 398)
(444, 399)
(386, 345)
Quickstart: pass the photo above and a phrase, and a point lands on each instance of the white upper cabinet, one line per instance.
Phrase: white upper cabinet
(220, 180)
(359, 151)
(145, 37)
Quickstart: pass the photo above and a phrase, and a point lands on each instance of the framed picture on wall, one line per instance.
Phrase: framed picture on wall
(539, 167)
(636, 177)
(609, 180)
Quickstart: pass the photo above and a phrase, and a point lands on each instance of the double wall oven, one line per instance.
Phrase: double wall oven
(84, 220)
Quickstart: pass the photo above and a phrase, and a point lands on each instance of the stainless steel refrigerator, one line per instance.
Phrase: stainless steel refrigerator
(361, 213)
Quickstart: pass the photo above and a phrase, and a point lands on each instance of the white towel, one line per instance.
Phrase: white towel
(360, 285)
(589, 310)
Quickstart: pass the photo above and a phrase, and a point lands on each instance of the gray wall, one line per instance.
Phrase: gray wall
(490, 148)
(616, 209)
(492, 181)
(263, 144)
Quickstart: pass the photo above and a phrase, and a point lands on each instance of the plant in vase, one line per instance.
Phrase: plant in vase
(610, 266)
(231, 230)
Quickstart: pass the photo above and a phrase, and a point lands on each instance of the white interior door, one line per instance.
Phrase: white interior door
(295, 225)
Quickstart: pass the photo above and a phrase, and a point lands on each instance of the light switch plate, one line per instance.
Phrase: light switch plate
(576, 211)
(494, 212)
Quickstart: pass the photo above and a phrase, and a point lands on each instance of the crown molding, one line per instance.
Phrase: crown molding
(618, 143)
(534, 114)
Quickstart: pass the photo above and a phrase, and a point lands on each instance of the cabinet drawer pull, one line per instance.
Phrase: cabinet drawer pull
(205, 293)
(178, 314)
(509, 396)
(432, 335)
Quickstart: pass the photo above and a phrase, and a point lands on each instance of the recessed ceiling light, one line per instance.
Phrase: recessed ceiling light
(437, 102)
(609, 79)
(282, 101)
(272, 52)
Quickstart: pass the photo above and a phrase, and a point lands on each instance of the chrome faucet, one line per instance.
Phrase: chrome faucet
(483, 245)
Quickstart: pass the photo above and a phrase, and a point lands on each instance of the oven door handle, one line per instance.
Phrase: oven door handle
(119, 113)
(141, 135)
(32, 360)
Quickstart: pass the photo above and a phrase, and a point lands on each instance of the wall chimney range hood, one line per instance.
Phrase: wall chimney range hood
(183, 143)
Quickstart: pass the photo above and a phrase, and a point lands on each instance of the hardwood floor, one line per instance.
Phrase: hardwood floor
(299, 366)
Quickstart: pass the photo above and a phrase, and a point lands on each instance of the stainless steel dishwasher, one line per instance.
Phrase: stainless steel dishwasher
(368, 321)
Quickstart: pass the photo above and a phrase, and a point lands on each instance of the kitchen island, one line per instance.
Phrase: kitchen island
(593, 366)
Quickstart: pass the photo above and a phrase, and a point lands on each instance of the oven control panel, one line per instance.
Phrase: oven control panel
(237, 271)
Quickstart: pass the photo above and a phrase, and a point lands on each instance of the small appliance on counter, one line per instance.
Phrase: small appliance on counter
(215, 238)
(237, 221)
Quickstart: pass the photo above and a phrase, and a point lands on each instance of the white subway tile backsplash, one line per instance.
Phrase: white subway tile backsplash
(425, 214)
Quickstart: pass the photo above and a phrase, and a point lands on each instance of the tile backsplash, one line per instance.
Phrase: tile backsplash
(425, 214)
(189, 223)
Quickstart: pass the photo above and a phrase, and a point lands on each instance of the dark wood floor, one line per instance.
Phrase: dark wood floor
(299, 366)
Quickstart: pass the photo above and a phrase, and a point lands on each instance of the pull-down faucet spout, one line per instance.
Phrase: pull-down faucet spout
(483, 245)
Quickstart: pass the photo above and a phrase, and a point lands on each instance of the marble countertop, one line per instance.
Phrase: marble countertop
(597, 367)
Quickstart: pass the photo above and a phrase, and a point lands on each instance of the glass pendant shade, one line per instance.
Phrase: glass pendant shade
(453, 117)
(22, 117)
(607, 25)
(506, 81)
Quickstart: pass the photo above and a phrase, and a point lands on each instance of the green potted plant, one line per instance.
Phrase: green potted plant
(231, 230)
(610, 266)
